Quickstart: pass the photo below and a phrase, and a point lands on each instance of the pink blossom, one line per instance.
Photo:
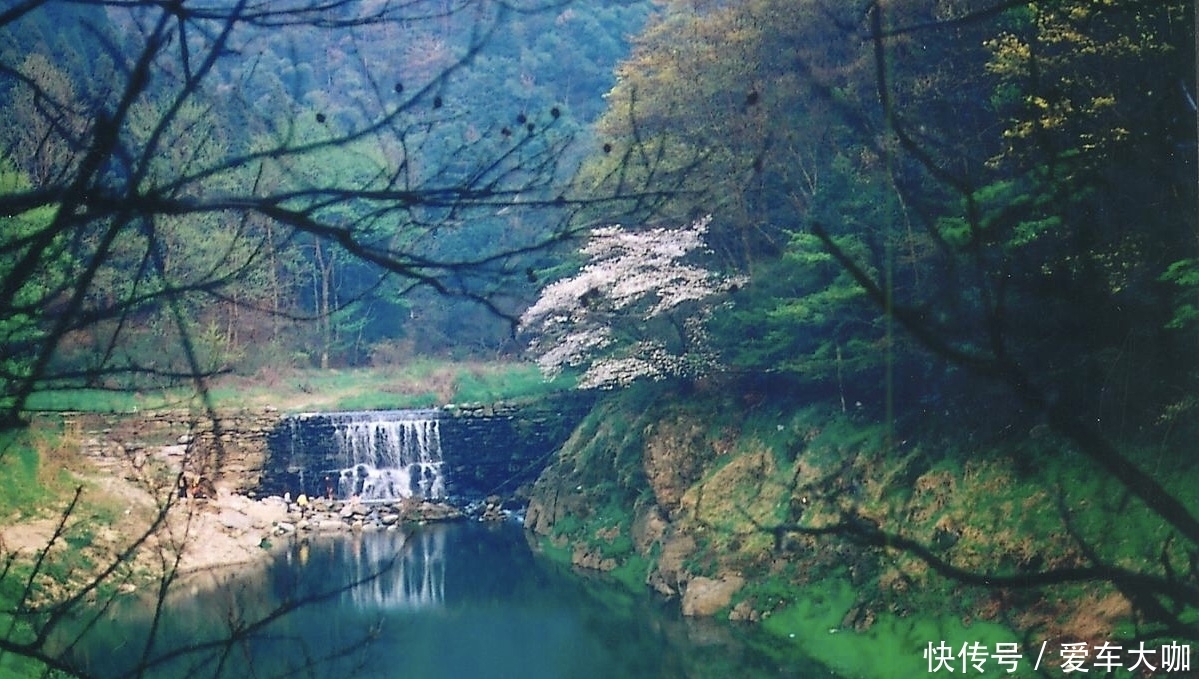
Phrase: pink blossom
(610, 316)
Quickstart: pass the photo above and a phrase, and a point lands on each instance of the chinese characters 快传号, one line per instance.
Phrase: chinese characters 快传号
(1075, 657)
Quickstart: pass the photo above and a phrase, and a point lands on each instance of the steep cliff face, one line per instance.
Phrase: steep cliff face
(775, 510)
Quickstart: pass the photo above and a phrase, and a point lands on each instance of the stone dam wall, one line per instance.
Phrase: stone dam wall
(230, 452)
(487, 449)
(492, 449)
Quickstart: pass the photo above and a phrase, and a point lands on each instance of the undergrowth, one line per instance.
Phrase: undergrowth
(33, 472)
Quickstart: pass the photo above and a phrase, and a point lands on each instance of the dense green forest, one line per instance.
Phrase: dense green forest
(968, 231)
(972, 221)
(452, 112)
(1012, 189)
(1016, 189)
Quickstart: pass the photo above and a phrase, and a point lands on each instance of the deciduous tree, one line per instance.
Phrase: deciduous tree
(635, 310)
(1010, 186)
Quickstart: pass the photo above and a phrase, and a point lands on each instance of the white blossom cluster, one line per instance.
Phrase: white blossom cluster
(604, 317)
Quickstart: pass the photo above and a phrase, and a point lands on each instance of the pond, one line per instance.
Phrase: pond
(455, 600)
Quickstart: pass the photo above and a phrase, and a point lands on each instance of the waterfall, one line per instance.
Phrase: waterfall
(387, 455)
(462, 453)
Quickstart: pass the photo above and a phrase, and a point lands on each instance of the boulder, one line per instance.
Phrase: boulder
(585, 557)
(669, 578)
(703, 597)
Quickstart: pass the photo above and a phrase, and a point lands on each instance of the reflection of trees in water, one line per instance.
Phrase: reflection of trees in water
(411, 571)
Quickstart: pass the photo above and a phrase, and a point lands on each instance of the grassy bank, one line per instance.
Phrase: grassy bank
(417, 384)
(34, 471)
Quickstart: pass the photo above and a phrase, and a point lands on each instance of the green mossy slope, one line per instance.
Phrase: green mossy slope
(784, 501)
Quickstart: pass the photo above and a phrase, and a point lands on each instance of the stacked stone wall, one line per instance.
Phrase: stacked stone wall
(488, 449)
(230, 452)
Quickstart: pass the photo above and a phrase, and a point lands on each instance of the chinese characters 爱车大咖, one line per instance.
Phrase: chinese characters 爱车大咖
(1073, 656)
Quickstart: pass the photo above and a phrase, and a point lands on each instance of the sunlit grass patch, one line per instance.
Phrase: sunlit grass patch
(106, 400)
(34, 470)
(419, 383)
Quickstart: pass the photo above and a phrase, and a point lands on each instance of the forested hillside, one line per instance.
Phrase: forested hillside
(1016, 188)
(950, 280)
(403, 129)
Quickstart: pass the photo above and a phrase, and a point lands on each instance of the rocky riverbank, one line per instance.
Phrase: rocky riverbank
(143, 504)
(774, 515)
(321, 515)
(231, 529)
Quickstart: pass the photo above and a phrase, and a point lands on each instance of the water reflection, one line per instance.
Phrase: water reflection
(445, 602)
(404, 572)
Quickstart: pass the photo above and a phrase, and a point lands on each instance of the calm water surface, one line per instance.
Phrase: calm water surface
(457, 601)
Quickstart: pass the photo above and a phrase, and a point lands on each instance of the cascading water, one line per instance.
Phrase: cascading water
(460, 453)
(388, 455)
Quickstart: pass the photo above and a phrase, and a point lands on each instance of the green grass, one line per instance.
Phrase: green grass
(30, 473)
(32, 487)
(104, 400)
(892, 647)
(418, 384)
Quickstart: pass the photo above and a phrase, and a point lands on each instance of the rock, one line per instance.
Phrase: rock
(353, 509)
(263, 514)
(593, 560)
(859, 618)
(173, 451)
(283, 528)
(435, 511)
(703, 597)
(648, 528)
(494, 510)
(670, 576)
(744, 612)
